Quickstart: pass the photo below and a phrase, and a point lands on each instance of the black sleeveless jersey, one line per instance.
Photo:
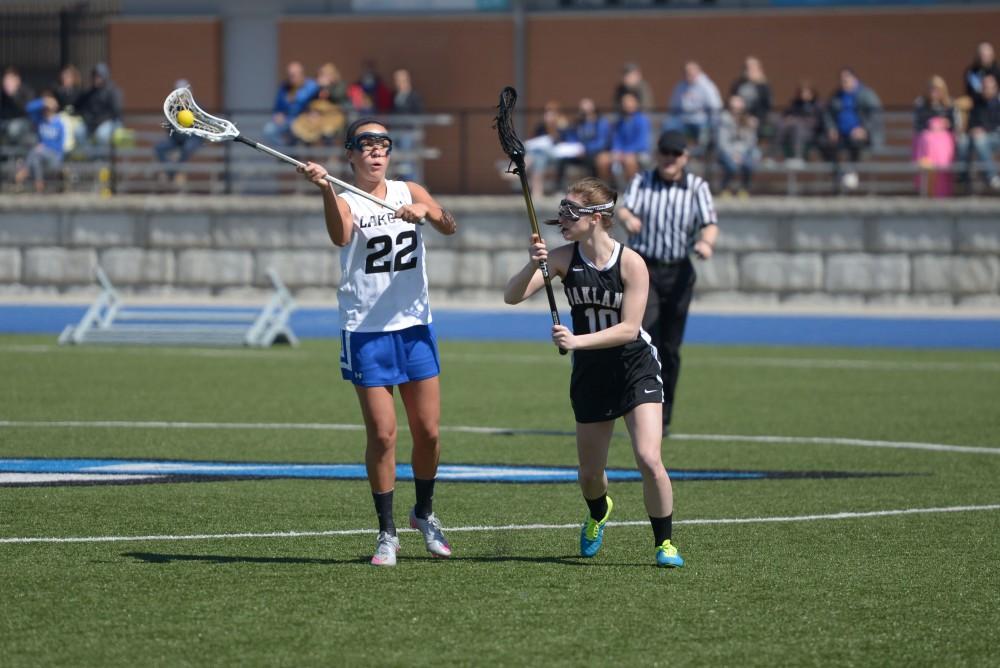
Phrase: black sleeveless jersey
(595, 296)
(607, 383)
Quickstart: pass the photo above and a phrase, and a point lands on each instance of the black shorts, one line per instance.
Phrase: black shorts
(607, 384)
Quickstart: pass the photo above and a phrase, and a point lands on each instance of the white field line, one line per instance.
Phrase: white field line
(513, 358)
(26, 348)
(863, 365)
(154, 350)
(776, 362)
(505, 527)
(500, 431)
(823, 440)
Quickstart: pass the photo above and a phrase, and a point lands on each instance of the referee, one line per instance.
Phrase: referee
(668, 213)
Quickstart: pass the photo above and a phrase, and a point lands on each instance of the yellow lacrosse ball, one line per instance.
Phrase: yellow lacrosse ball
(185, 118)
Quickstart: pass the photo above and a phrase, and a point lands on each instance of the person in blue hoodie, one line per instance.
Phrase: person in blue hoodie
(593, 133)
(630, 138)
(48, 153)
(294, 94)
(852, 122)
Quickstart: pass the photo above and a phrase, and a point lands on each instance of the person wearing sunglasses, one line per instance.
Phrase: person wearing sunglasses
(669, 214)
(387, 339)
(616, 372)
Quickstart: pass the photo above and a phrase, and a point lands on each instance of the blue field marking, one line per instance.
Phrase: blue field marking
(451, 472)
(705, 328)
(126, 470)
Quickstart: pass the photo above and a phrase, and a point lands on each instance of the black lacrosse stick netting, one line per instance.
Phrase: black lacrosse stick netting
(504, 125)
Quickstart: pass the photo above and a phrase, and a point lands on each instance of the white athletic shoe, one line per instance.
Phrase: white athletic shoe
(385, 550)
(434, 538)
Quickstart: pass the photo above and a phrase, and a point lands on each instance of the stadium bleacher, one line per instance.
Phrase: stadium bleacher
(130, 165)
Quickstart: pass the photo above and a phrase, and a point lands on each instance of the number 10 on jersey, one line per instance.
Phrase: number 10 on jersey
(604, 317)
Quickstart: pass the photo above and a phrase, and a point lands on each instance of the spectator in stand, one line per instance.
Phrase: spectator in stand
(633, 82)
(47, 154)
(540, 150)
(371, 84)
(176, 148)
(15, 125)
(801, 123)
(323, 117)
(934, 125)
(936, 103)
(100, 106)
(984, 64)
(983, 136)
(593, 134)
(630, 139)
(294, 95)
(738, 150)
(330, 86)
(69, 88)
(752, 86)
(852, 122)
(695, 106)
(361, 102)
(405, 100)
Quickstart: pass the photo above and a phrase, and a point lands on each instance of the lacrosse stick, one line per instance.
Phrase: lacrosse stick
(514, 149)
(217, 129)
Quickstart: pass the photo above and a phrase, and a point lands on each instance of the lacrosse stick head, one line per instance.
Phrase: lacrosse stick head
(504, 125)
(205, 125)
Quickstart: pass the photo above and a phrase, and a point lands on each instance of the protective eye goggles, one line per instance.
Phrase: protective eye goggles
(366, 142)
(572, 211)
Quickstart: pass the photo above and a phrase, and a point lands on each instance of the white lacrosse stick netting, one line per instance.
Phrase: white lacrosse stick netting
(205, 125)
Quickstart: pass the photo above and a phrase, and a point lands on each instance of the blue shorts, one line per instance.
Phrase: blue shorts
(380, 359)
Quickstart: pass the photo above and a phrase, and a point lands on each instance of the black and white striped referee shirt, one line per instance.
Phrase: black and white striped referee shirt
(672, 213)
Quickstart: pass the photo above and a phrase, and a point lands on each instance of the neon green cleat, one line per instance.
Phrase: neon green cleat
(668, 556)
(592, 533)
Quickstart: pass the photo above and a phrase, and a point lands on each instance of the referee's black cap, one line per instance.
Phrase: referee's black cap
(672, 141)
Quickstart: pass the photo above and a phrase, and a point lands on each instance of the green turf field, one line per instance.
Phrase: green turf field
(788, 585)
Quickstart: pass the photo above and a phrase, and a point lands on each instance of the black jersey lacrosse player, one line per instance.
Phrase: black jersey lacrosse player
(616, 370)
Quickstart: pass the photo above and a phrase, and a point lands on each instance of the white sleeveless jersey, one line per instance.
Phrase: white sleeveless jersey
(383, 284)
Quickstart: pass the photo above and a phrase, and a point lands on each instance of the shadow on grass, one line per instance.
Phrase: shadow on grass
(157, 558)
(569, 560)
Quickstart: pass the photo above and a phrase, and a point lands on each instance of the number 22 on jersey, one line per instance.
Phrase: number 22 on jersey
(391, 255)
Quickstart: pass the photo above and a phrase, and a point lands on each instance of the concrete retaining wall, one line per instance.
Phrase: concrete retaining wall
(838, 252)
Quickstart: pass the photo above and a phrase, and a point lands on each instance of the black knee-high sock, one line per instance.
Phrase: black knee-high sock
(598, 507)
(383, 508)
(425, 498)
(663, 527)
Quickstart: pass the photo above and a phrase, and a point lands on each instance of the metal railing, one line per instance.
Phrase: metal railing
(887, 167)
(130, 163)
(465, 138)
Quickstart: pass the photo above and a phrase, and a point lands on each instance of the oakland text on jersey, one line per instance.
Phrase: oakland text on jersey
(583, 295)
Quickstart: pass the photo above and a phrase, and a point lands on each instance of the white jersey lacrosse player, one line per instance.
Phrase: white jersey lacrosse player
(387, 339)
(383, 246)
